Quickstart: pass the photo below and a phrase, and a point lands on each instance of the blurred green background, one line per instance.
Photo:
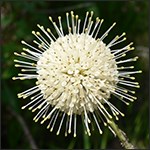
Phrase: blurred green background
(18, 19)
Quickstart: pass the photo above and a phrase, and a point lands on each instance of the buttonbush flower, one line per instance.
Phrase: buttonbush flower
(76, 74)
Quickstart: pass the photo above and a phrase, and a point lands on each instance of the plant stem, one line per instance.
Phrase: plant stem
(121, 135)
(25, 128)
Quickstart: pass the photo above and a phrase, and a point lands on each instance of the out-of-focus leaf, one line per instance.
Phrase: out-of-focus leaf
(8, 97)
(86, 140)
(72, 144)
(15, 134)
(104, 141)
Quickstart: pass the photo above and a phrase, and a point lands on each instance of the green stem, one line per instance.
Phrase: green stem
(121, 135)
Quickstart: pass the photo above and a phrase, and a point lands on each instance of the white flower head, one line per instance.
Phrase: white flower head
(76, 74)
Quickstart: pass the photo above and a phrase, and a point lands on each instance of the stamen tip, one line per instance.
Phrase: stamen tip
(122, 114)
(102, 20)
(38, 33)
(14, 78)
(50, 18)
(71, 12)
(114, 23)
(48, 30)
(69, 131)
(117, 118)
(30, 108)
(123, 33)
(15, 53)
(36, 120)
(140, 71)
(23, 42)
(38, 25)
(92, 12)
(23, 70)
(77, 16)
(42, 121)
(33, 32)
(23, 107)
(105, 124)
(109, 121)
(24, 96)
(132, 48)
(33, 110)
(65, 134)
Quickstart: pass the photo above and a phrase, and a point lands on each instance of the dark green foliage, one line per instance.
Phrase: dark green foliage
(18, 19)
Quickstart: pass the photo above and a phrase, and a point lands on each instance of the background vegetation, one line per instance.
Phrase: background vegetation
(18, 19)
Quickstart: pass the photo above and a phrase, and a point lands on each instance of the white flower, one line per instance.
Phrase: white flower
(76, 74)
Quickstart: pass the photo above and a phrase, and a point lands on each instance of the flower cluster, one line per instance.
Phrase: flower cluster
(76, 74)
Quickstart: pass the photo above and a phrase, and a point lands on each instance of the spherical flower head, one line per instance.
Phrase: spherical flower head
(76, 74)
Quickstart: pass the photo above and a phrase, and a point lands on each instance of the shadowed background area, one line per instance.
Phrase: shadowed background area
(18, 19)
